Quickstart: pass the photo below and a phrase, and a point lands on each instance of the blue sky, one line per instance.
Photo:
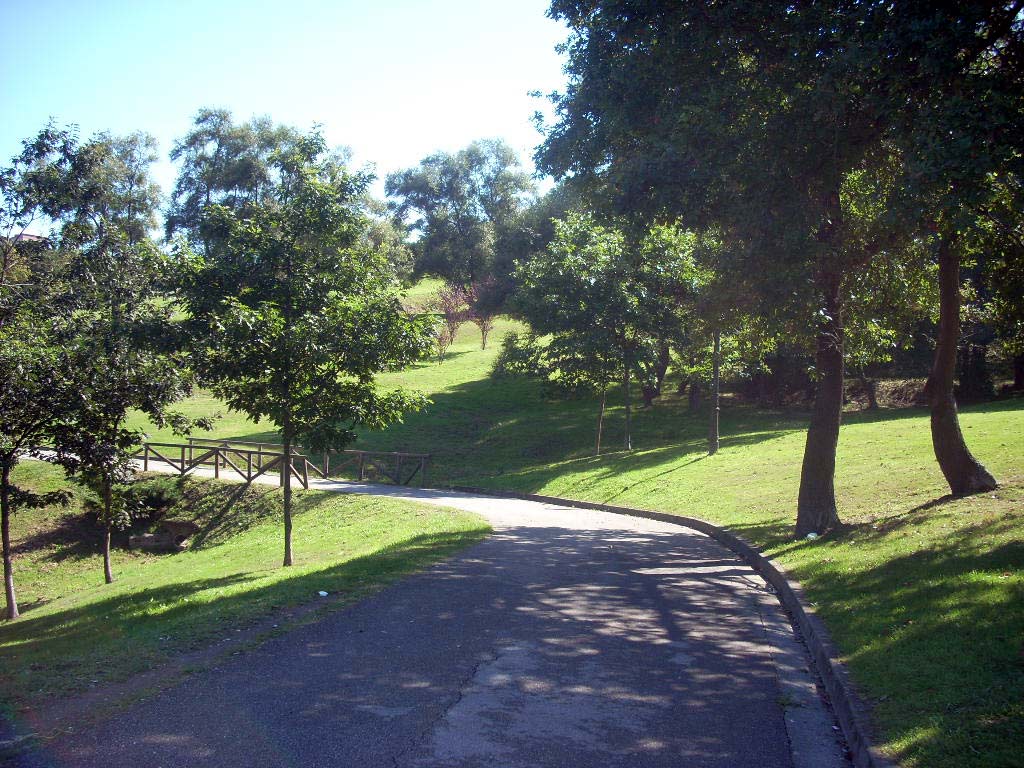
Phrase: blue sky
(394, 79)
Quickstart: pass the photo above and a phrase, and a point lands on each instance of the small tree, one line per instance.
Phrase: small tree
(483, 299)
(120, 321)
(451, 304)
(34, 393)
(594, 288)
(292, 315)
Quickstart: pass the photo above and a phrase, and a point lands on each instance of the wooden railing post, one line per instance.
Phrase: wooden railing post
(145, 457)
(362, 460)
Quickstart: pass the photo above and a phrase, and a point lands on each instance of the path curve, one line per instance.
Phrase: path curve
(568, 637)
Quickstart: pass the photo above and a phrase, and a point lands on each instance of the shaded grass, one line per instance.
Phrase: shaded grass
(76, 632)
(923, 594)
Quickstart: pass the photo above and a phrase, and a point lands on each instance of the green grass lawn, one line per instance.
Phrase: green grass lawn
(76, 631)
(923, 594)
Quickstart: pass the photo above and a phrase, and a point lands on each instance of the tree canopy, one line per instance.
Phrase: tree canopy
(295, 312)
(462, 207)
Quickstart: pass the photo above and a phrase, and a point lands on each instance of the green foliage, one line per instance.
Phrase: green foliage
(222, 163)
(520, 355)
(293, 315)
(465, 205)
(116, 319)
(604, 299)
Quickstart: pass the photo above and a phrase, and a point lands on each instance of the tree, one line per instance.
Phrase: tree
(34, 393)
(483, 299)
(752, 117)
(1002, 240)
(450, 303)
(569, 363)
(34, 364)
(121, 319)
(222, 163)
(464, 205)
(612, 297)
(292, 315)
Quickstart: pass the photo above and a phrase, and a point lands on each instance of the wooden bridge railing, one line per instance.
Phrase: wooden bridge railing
(398, 467)
(248, 464)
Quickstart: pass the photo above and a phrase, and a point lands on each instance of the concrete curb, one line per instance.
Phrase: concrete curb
(849, 708)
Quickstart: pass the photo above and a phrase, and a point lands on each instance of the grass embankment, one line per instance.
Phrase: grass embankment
(923, 594)
(76, 631)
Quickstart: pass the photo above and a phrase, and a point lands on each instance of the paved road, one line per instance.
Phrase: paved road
(567, 638)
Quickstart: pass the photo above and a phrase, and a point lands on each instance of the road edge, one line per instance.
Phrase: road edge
(850, 710)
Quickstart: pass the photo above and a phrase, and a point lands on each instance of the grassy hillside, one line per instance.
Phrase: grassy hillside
(76, 631)
(923, 593)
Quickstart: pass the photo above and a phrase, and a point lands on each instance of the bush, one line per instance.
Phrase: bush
(520, 356)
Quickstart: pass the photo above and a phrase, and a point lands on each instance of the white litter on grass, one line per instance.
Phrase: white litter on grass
(811, 536)
(322, 593)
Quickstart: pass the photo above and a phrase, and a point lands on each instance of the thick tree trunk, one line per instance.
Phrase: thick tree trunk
(287, 469)
(108, 498)
(871, 389)
(963, 472)
(5, 523)
(762, 389)
(694, 398)
(1018, 372)
(600, 419)
(816, 506)
(628, 441)
(716, 361)
(664, 358)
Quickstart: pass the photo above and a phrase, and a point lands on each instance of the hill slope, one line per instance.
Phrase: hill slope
(924, 594)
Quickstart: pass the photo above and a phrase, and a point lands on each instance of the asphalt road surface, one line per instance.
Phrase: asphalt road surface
(567, 638)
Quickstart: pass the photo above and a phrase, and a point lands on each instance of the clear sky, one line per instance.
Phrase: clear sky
(393, 79)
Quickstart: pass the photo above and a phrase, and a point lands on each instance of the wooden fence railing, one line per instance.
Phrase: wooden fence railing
(248, 464)
(397, 467)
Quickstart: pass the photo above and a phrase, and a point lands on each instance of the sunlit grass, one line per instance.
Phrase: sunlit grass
(76, 631)
(923, 594)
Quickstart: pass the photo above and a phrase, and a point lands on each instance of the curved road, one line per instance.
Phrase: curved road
(567, 638)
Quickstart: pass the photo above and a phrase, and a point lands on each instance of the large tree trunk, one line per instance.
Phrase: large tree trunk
(694, 397)
(1018, 372)
(870, 389)
(108, 498)
(816, 506)
(628, 441)
(286, 468)
(664, 359)
(5, 522)
(716, 361)
(963, 472)
(600, 419)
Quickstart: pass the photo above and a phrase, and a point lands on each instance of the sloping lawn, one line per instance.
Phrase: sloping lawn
(76, 631)
(923, 594)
